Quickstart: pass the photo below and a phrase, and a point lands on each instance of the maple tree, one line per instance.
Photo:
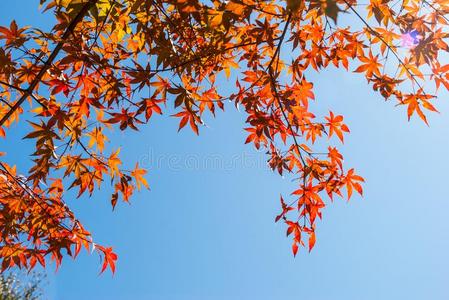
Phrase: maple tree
(113, 64)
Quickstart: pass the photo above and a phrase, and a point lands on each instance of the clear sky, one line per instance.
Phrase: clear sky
(206, 229)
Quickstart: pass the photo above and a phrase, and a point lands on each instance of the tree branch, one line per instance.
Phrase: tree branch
(49, 61)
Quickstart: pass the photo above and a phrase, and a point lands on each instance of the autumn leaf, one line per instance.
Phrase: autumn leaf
(336, 126)
(109, 258)
(352, 181)
(370, 65)
(138, 174)
(312, 240)
(97, 137)
(13, 36)
(114, 162)
(187, 117)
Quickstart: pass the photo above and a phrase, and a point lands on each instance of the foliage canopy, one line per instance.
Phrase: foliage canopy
(113, 64)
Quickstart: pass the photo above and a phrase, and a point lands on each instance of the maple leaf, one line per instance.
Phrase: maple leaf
(187, 117)
(150, 105)
(370, 65)
(13, 35)
(114, 162)
(336, 126)
(138, 174)
(352, 181)
(413, 102)
(312, 240)
(59, 86)
(285, 210)
(109, 258)
(97, 137)
(125, 118)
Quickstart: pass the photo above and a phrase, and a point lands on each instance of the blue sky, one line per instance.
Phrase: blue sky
(208, 232)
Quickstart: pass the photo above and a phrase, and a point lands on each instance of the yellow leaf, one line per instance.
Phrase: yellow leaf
(113, 162)
(104, 7)
(138, 175)
(97, 137)
(216, 18)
